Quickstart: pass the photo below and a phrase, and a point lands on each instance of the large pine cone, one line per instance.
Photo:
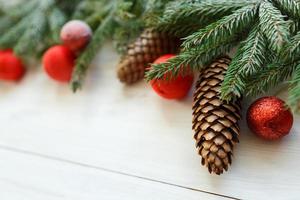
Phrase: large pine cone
(146, 49)
(215, 122)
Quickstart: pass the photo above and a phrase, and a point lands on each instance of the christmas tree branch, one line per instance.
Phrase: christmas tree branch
(268, 78)
(31, 38)
(190, 60)
(104, 31)
(56, 20)
(224, 28)
(294, 91)
(273, 25)
(249, 59)
(291, 51)
(179, 17)
(290, 7)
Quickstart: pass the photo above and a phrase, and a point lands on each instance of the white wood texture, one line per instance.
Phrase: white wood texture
(127, 141)
(31, 177)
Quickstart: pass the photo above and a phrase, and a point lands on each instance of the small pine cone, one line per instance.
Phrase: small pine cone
(215, 122)
(146, 49)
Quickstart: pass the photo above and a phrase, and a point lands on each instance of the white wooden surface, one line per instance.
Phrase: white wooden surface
(115, 142)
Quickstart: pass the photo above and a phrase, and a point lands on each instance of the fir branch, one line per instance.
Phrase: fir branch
(5, 23)
(179, 17)
(294, 91)
(88, 8)
(82, 63)
(20, 9)
(95, 18)
(33, 35)
(268, 78)
(11, 36)
(250, 58)
(273, 25)
(189, 60)
(291, 51)
(224, 28)
(291, 7)
(294, 27)
(56, 20)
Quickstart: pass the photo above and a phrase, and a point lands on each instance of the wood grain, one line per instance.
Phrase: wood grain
(30, 177)
(135, 132)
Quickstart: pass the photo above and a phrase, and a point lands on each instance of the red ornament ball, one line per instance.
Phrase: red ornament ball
(58, 62)
(269, 118)
(175, 88)
(76, 34)
(11, 67)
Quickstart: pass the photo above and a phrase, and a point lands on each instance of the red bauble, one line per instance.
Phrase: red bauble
(269, 118)
(175, 88)
(11, 67)
(58, 62)
(76, 35)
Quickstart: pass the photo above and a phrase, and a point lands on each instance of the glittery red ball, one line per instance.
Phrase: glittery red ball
(76, 35)
(176, 88)
(269, 118)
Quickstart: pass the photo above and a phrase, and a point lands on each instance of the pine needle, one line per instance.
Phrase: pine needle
(179, 17)
(82, 63)
(237, 22)
(268, 78)
(290, 7)
(250, 58)
(273, 25)
(189, 60)
(34, 34)
(56, 20)
(294, 91)
(291, 51)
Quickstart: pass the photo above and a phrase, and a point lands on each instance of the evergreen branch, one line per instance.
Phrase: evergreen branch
(179, 17)
(5, 23)
(291, 7)
(95, 19)
(250, 58)
(291, 51)
(223, 28)
(20, 9)
(294, 27)
(294, 91)
(34, 33)
(189, 60)
(268, 78)
(82, 63)
(273, 25)
(11, 36)
(56, 20)
(88, 8)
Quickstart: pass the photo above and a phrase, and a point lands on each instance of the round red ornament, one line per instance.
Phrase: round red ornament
(11, 67)
(175, 88)
(76, 34)
(269, 118)
(58, 62)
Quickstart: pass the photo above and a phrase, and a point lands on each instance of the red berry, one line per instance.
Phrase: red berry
(76, 35)
(11, 67)
(269, 118)
(175, 88)
(58, 62)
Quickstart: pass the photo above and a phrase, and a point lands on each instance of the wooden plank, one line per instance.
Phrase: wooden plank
(24, 176)
(131, 130)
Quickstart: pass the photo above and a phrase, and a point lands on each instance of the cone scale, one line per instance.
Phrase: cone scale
(147, 48)
(215, 122)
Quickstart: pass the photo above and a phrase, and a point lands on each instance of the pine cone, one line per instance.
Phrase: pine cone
(215, 122)
(147, 48)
